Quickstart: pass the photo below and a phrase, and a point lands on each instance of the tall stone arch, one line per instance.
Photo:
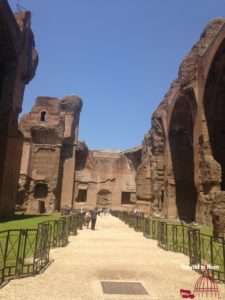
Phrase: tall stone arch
(214, 109)
(181, 132)
(214, 106)
(18, 62)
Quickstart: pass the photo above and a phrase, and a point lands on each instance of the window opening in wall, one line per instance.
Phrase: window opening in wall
(126, 198)
(43, 116)
(41, 190)
(82, 196)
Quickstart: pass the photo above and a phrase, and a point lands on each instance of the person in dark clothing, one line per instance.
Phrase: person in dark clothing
(81, 218)
(94, 214)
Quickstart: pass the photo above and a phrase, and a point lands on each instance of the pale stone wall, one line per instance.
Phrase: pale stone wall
(105, 172)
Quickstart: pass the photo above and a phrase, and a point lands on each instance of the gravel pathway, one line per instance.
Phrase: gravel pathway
(113, 252)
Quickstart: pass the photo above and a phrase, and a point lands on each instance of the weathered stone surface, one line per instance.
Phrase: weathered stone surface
(186, 142)
(144, 178)
(50, 135)
(178, 172)
(218, 214)
(18, 62)
(107, 178)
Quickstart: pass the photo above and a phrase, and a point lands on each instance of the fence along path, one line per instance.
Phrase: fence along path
(201, 248)
(112, 252)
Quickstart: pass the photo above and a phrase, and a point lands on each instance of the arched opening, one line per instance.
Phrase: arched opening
(214, 103)
(41, 190)
(44, 116)
(104, 198)
(181, 145)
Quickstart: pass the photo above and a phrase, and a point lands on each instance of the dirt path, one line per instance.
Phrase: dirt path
(113, 252)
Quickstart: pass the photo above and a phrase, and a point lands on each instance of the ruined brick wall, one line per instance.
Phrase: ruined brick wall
(71, 108)
(143, 178)
(186, 142)
(105, 175)
(18, 62)
(179, 172)
(50, 136)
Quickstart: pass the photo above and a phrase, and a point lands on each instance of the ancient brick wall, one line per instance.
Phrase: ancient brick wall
(106, 178)
(48, 156)
(186, 142)
(179, 172)
(18, 62)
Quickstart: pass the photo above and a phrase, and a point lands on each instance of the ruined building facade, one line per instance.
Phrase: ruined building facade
(50, 131)
(18, 62)
(59, 172)
(106, 178)
(182, 172)
(179, 172)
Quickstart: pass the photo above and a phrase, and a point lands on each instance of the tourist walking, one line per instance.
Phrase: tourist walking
(87, 218)
(94, 214)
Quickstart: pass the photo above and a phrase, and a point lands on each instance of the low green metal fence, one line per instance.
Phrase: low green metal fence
(25, 252)
(62, 228)
(202, 249)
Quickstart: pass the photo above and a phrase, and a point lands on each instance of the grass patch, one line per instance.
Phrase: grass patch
(205, 229)
(20, 221)
(16, 240)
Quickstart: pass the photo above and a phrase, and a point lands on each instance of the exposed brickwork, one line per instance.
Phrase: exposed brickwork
(179, 172)
(185, 146)
(18, 62)
(104, 176)
(48, 162)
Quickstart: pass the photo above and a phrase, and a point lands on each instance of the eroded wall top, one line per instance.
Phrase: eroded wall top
(53, 117)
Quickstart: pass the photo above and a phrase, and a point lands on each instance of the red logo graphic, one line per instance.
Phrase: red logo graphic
(205, 286)
(186, 294)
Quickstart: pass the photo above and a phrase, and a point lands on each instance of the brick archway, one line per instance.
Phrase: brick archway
(214, 104)
(182, 154)
(104, 198)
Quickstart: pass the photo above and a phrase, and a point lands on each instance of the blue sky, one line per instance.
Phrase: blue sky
(119, 56)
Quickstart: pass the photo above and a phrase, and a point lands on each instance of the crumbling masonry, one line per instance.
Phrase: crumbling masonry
(178, 172)
(185, 147)
(47, 174)
(18, 62)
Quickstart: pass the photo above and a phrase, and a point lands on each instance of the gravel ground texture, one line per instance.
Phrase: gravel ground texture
(112, 252)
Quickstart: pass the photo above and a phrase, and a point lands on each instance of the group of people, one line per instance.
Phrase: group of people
(90, 216)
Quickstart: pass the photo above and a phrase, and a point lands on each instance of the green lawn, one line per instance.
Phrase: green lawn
(20, 221)
(8, 258)
(205, 229)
